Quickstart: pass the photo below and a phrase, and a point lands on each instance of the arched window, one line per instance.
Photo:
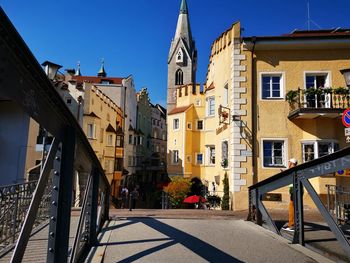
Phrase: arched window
(179, 77)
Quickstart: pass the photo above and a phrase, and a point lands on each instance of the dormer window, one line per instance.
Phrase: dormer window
(180, 56)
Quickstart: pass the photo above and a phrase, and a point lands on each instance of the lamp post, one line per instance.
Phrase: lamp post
(51, 69)
(346, 75)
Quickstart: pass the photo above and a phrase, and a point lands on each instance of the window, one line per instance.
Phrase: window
(110, 140)
(118, 164)
(130, 161)
(199, 124)
(130, 139)
(225, 96)
(176, 124)
(273, 152)
(175, 156)
(119, 141)
(189, 125)
(139, 140)
(164, 136)
(271, 86)
(91, 131)
(315, 81)
(211, 155)
(101, 135)
(224, 153)
(135, 140)
(199, 158)
(155, 134)
(156, 148)
(179, 77)
(211, 106)
(316, 149)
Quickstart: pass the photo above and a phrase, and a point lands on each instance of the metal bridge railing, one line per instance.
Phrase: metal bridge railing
(299, 176)
(24, 83)
(14, 203)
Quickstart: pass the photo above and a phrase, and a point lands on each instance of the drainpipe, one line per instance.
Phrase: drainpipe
(254, 115)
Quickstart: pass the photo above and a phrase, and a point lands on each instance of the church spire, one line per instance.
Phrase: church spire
(183, 29)
(102, 72)
(183, 8)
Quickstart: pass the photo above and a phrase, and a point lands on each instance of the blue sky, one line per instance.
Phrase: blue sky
(133, 36)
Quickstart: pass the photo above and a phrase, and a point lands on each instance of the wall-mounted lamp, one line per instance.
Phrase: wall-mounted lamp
(51, 69)
(346, 74)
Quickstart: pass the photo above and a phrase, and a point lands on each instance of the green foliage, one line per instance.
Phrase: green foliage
(224, 163)
(225, 204)
(341, 91)
(178, 189)
(291, 96)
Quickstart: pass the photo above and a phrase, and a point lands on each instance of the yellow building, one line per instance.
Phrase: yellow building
(248, 80)
(102, 123)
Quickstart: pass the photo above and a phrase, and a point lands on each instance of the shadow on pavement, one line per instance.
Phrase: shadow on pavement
(194, 244)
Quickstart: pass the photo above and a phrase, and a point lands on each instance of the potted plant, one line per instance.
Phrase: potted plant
(291, 97)
(341, 91)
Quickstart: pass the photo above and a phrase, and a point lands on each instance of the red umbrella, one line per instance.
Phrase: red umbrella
(194, 199)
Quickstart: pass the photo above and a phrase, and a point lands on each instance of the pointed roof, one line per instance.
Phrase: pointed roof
(102, 72)
(77, 72)
(183, 8)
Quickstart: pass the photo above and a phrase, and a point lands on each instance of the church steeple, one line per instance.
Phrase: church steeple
(102, 72)
(182, 59)
(183, 8)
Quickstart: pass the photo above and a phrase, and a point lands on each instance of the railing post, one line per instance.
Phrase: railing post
(299, 209)
(257, 207)
(60, 214)
(14, 219)
(92, 207)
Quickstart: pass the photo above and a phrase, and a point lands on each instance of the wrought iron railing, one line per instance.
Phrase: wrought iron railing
(322, 98)
(14, 203)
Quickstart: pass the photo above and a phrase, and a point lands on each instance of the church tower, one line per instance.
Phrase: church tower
(182, 60)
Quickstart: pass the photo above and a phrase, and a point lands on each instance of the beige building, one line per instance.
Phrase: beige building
(102, 124)
(281, 97)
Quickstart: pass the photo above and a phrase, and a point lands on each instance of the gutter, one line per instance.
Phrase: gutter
(254, 115)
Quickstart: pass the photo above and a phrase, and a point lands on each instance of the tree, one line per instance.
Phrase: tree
(178, 189)
(225, 203)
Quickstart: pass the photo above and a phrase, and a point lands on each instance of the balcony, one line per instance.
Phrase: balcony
(315, 103)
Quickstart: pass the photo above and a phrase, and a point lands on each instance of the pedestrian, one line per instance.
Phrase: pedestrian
(291, 163)
(134, 195)
(124, 195)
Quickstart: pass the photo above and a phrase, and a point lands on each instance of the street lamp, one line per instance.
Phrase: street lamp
(346, 74)
(51, 69)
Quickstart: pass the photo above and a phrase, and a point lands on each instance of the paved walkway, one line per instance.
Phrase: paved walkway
(194, 236)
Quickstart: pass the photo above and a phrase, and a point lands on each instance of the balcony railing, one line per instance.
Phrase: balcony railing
(321, 100)
(325, 98)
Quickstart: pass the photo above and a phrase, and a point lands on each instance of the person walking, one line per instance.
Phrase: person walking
(124, 195)
(134, 195)
(291, 163)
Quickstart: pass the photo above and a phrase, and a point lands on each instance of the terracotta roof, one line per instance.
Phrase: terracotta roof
(180, 109)
(97, 80)
(211, 86)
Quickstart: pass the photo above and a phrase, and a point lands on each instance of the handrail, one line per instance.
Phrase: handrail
(299, 176)
(24, 82)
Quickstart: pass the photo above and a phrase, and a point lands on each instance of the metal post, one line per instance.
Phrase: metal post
(92, 208)
(328, 218)
(300, 206)
(14, 219)
(61, 200)
(34, 205)
(258, 212)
